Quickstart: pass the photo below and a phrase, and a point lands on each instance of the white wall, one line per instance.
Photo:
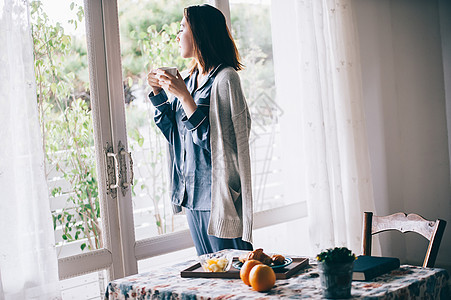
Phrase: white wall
(405, 107)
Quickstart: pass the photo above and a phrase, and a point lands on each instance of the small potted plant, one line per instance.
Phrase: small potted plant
(335, 271)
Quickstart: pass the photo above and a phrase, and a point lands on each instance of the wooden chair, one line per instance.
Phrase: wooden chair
(431, 230)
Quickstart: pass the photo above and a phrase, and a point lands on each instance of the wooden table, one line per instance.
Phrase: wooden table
(407, 282)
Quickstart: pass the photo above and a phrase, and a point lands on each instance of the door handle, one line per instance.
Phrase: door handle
(129, 154)
(116, 170)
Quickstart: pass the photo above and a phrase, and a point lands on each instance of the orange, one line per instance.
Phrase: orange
(262, 278)
(246, 269)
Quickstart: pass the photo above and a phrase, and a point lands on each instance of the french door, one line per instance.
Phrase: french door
(112, 156)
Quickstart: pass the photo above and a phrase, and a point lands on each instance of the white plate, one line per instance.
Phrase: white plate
(288, 260)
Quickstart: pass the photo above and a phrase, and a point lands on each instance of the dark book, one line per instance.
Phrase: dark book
(368, 267)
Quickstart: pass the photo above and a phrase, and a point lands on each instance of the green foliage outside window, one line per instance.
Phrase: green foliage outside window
(66, 125)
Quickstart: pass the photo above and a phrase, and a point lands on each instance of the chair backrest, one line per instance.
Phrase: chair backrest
(431, 230)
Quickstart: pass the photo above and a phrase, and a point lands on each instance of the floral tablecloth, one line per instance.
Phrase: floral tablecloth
(407, 282)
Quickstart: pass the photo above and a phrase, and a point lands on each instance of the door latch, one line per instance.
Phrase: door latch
(116, 167)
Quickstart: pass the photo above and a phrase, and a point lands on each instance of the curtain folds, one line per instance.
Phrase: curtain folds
(28, 262)
(318, 83)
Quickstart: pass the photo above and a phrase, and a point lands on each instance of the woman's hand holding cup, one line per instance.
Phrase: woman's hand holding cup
(154, 81)
(161, 77)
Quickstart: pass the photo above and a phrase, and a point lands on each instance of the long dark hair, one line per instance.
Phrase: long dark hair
(213, 43)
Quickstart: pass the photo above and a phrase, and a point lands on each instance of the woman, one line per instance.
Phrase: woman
(207, 125)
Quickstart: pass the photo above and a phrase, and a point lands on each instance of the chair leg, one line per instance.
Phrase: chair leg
(434, 244)
(367, 237)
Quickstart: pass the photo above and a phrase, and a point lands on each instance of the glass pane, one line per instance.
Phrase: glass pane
(61, 69)
(251, 29)
(284, 237)
(148, 30)
(89, 286)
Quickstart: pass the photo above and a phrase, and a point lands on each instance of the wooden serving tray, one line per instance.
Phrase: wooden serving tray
(281, 273)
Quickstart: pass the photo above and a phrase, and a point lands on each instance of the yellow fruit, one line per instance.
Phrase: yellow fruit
(222, 263)
(215, 268)
(215, 265)
(262, 278)
(246, 269)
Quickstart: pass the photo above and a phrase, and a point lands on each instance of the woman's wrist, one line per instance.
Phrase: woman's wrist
(188, 104)
(187, 98)
(156, 91)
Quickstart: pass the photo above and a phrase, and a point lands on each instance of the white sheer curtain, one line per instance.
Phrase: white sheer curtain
(318, 85)
(28, 263)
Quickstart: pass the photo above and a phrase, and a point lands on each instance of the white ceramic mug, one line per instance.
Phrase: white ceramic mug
(170, 70)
